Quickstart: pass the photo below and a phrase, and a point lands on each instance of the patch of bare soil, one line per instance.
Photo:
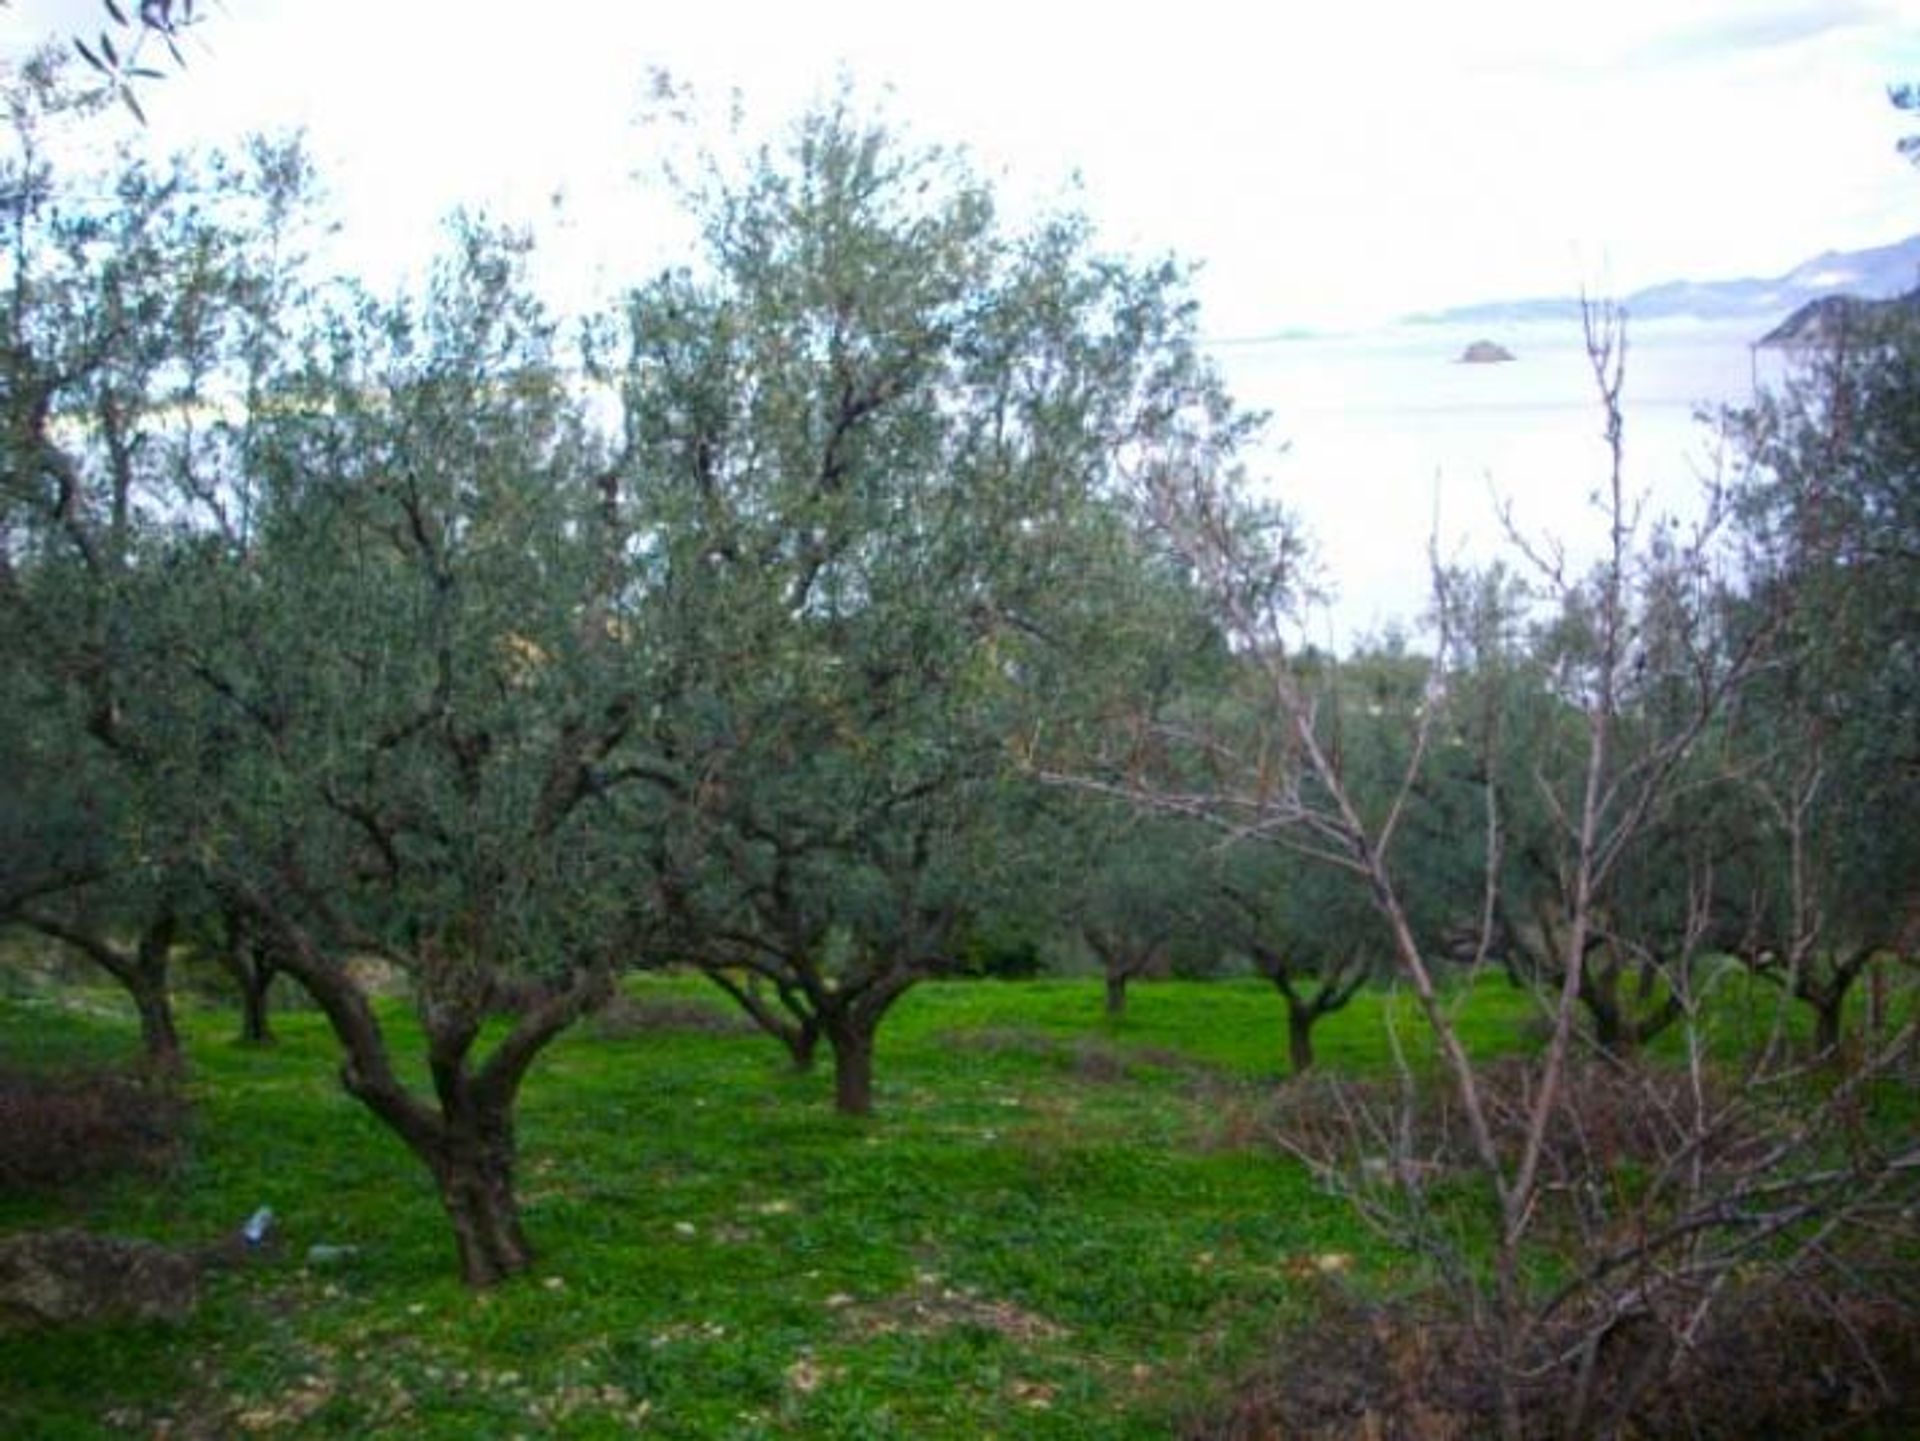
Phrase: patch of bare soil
(932, 1306)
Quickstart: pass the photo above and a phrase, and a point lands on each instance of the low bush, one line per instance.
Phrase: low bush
(1609, 1123)
(66, 1128)
(1088, 1058)
(1795, 1359)
(1706, 1258)
(629, 1015)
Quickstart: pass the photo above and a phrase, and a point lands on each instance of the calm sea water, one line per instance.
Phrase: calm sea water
(1386, 434)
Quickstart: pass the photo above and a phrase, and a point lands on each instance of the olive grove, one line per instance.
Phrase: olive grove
(890, 574)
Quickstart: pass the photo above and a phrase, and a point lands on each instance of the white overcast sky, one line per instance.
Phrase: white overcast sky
(1330, 164)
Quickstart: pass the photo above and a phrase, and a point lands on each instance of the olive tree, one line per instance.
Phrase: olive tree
(331, 629)
(1311, 933)
(430, 665)
(1135, 888)
(1831, 535)
(131, 301)
(881, 433)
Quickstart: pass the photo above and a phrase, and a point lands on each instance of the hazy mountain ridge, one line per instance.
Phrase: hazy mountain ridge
(1877, 274)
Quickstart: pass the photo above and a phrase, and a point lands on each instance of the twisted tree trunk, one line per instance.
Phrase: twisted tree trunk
(851, 1038)
(473, 1166)
(1300, 1019)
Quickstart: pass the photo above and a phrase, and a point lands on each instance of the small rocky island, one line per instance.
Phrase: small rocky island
(1485, 352)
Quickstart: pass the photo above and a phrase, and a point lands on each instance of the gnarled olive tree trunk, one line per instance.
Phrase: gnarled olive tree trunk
(142, 971)
(465, 1134)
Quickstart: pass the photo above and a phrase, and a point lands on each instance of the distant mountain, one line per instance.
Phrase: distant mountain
(1831, 319)
(1877, 274)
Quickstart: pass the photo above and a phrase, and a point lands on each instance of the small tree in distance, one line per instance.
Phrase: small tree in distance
(1312, 934)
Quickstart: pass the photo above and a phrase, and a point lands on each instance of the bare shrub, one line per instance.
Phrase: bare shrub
(627, 1015)
(1587, 707)
(60, 1130)
(1087, 1058)
(1802, 1361)
(1610, 1119)
(1777, 1360)
(1690, 1231)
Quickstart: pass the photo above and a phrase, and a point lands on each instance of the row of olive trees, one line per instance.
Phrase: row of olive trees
(730, 629)
(1754, 800)
(432, 631)
(1606, 779)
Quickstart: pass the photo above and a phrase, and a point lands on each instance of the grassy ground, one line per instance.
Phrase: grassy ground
(1053, 1228)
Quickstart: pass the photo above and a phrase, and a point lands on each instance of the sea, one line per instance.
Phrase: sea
(1386, 444)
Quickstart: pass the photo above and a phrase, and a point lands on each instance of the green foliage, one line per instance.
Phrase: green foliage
(879, 439)
(422, 629)
(1831, 518)
(1827, 734)
(1906, 97)
(119, 66)
(131, 308)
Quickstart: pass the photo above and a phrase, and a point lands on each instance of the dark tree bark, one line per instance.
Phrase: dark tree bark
(467, 1141)
(143, 973)
(1123, 959)
(256, 983)
(1827, 1032)
(790, 1022)
(850, 1021)
(253, 970)
(1300, 1019)
(147, 980)
(473, 1165)
(1823, 981)
(802, 1042)
(852, 1044)
(1827, 990)
(159, 1037)
(1622, 1027)
(1621, 1035)
(1305, 1008)
(778, 976)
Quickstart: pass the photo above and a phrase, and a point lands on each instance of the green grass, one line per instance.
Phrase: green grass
(1050, 1230)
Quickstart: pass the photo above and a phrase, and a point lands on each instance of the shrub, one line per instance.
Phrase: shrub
(73, 1127)
(1773, 1360)
(1710, 1259)
(627, 1015)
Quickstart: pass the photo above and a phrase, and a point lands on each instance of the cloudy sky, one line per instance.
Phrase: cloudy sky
(1330, 164)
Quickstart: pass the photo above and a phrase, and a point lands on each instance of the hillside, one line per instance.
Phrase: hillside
(1876, 274)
